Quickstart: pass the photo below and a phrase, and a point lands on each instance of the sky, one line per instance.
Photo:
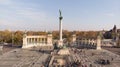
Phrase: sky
(41, 15)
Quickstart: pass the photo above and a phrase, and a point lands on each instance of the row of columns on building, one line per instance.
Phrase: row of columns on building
(87, 43)
(37, 40)
(41, 40)
(90, 43)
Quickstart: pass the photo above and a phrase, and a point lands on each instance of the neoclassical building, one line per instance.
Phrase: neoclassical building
(37, 41)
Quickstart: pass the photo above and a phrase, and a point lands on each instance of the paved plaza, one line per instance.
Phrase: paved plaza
(33, 58)
(23, 58)
(88, 57)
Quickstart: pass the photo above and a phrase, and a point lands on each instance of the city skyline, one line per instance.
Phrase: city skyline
(44, 15)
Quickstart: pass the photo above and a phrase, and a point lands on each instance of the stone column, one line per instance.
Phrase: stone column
(24, 41)
(98, 47)
(1, 49)
(28, 41)
(40, 40)
(49, 39)
(60, 29)
(44, 40)
(34, 41)
(73, 38)
(37, 40)
(82, 42)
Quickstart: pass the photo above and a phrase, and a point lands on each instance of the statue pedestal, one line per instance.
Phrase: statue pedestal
(64, 52)
(98, 48)
(60, 43)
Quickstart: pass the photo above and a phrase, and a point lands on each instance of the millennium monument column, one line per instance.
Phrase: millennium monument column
(60, 43)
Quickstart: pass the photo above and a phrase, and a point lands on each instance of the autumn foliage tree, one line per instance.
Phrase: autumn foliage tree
(16, 37)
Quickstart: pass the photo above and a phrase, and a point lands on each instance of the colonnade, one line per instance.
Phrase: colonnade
(36, 41)
(87, 43)
(42, 41)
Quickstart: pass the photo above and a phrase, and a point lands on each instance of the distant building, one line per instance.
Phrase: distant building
(114, 35)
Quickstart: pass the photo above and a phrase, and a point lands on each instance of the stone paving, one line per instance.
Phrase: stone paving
(87, 57)
(33, 58)
(23, 58)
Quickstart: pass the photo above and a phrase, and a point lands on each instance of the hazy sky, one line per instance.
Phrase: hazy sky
(43, 14)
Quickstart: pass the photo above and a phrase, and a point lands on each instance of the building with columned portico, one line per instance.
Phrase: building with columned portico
(38, 41)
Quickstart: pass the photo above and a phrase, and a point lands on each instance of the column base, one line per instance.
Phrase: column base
(98, 48)
(60, 43)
